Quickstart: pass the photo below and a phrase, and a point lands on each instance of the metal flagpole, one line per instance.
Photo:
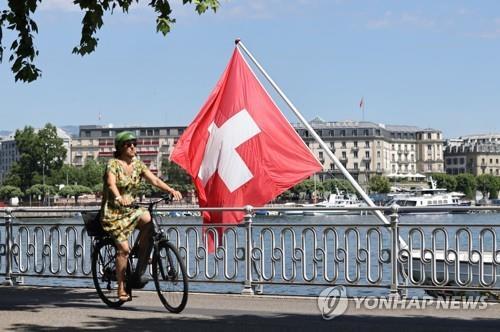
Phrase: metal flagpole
(330, 154)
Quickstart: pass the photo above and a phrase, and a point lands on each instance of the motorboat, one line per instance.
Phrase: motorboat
(337, 200)
(429, 197)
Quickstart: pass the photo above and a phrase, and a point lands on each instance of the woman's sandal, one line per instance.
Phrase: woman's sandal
(124, 297)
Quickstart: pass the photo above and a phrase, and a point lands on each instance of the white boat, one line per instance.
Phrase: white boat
(432, 197)
(338, 200)
(296, 209)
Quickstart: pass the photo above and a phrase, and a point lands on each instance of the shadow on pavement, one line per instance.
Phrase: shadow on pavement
(243, 323)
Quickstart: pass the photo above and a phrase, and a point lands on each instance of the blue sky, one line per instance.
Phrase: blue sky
(423, 63)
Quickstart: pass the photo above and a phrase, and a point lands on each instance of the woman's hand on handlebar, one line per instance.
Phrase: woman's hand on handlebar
(176, 195)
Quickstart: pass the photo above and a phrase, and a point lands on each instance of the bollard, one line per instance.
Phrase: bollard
(247, 289)
(394, 250)
(8, 248)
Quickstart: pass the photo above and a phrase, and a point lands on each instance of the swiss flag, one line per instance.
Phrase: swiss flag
(240, 149)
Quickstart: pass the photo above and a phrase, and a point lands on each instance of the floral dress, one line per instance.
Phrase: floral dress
(120, 221)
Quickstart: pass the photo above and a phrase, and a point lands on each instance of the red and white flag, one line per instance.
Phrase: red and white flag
(240, 149)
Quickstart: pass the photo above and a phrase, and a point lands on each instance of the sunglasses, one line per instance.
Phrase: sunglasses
(130, 143)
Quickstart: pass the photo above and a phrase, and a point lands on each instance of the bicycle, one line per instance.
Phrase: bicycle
(168, 269)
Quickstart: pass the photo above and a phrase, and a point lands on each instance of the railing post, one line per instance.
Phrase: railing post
(394, 250)
(8, 248)
(247, 289)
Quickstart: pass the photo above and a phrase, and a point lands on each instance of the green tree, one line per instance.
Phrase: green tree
(18, 17)
(74, 190)
(41, 153)
(40, 190)
(445, 181)
(8, 192)
(176, 177)
(379, 184)
(488, 185)
(332, 185)
(67, 174)
(466, 183)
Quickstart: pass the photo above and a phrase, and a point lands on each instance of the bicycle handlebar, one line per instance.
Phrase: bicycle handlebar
(165, 198)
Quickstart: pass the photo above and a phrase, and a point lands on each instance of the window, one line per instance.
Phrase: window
(367, 144)
(393, 157)
(366, 132)
(331, 133)
(343, 145)
(377, 132)
(355, 165)
(429, 135)
(320, 155)
(392, 147)
(354, 132)
(367, 154)
(429, 147)
(344, 155)
(355, 153)
(342, 133)
(378, 154)
(355, 144)
(332, 166)
(378, 166)
(367, 166)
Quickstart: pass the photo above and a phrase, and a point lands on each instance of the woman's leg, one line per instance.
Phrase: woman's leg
(121, 266)
(145, 242)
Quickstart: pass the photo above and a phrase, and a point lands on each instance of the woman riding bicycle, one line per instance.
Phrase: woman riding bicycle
(122, 178)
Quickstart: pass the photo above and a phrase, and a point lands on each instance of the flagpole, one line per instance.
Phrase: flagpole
(330, 154)
(364, 102)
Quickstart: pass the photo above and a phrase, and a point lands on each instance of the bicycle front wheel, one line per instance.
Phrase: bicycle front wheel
(169, 275)
(104, 272)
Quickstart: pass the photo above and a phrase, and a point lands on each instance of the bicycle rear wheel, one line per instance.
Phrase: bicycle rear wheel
(169, 275)
(104, 272)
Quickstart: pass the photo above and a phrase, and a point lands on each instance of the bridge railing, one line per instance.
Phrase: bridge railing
(289, 255)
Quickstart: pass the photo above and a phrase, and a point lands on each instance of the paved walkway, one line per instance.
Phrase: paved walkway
(25, 308)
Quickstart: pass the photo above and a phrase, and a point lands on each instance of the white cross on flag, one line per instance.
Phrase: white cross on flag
(240, 149)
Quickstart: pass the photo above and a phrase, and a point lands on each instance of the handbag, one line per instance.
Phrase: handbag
(92, 223)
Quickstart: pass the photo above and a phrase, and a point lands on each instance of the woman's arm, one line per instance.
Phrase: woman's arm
(157, 182)
(111, 182)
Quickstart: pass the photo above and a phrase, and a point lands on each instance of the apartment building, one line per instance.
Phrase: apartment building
(475, 154)
(367, 148)
(155, 144)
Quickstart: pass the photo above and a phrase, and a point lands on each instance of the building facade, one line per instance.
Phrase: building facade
(475, 154)
(366, 148)
(155, 144)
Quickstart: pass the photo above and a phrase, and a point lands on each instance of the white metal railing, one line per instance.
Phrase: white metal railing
(439, 257)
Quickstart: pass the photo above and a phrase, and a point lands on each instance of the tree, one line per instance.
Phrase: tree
(18, 18)
(41, 153)
(466, 183)
(74, 190)
(445, 181)
(8, 192)
(40, 190)
(488, 185)
(379, 184)
(176, 177)
(332, 185)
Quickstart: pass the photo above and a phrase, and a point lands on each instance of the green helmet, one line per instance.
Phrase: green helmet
(123, 137)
